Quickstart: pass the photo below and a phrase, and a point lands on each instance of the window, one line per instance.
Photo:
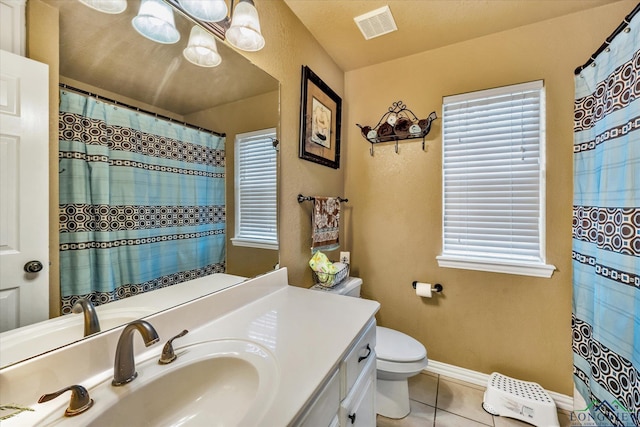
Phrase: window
(256, 190)
(493, 181)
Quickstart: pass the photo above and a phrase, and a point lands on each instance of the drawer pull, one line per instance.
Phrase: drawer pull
(361, 358)
(352, 417)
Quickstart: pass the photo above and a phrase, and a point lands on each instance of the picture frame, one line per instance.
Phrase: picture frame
(320, 119)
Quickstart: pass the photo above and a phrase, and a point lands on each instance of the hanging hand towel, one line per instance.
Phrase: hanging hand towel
(325, 223)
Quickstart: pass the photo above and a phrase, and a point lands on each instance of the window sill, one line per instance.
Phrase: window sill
(258, 244)
(497, 266)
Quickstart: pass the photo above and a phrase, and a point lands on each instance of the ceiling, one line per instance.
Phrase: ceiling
(422, 24)
(106, 52)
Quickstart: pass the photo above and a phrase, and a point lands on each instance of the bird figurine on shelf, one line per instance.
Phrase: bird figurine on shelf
(425, 124)
(364, 130)
(368, 133)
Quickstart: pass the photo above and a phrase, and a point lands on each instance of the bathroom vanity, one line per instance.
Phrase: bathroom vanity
(258, 353)
(348, 397)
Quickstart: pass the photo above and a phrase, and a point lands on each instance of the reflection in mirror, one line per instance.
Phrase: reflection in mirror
(102, 54)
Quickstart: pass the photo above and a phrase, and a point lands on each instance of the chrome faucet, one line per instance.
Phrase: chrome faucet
(91, 323)
(124, 368)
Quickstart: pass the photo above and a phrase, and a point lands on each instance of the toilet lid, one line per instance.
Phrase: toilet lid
(395, 346)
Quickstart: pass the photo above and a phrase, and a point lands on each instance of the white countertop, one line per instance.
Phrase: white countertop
(307, 332)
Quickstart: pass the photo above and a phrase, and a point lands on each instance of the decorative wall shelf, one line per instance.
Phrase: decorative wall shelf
(397, 124)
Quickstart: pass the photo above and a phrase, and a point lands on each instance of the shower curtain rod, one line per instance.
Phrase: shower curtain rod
(122, 104)
(609, 39)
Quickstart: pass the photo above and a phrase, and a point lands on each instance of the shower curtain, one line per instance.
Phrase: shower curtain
(606, 233)
(142, 201)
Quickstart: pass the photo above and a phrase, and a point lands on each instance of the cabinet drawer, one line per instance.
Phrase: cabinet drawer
(357, 358)
(358, 409)
(324, 408)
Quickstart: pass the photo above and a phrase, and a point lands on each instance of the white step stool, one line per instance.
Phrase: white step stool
(525, 401)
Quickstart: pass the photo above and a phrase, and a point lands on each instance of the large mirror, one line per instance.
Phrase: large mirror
(103, 54)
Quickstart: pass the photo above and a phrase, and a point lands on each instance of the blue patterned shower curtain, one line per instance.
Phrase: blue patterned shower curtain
(606, 233)
(142, 201)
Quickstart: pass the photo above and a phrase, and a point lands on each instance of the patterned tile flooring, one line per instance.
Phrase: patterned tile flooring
(439, 401)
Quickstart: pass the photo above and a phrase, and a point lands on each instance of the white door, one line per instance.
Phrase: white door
(24, 191)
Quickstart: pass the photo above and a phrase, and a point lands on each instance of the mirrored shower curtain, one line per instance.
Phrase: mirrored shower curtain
(142, 201)
(606, 233)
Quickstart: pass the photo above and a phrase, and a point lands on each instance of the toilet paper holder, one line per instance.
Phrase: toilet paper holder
(436, 288)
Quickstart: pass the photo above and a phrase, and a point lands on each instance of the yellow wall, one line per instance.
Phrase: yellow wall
(247, 115)
(517, 325)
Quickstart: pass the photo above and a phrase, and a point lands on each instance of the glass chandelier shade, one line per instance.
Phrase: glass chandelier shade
(202, 49)
(155, 21)
(205, 10)
(244, 32)
(106, 6)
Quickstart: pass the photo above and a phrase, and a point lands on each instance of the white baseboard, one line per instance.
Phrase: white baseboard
(562, 401)
(463, 374)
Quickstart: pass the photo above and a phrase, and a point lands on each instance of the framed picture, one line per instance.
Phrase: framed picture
(320, 113)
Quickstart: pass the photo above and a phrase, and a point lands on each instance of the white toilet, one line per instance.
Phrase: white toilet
(398, 357)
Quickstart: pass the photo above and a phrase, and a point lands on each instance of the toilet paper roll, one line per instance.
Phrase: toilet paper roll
(423, 289)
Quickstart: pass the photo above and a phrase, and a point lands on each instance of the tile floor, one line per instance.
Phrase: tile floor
(439, 401)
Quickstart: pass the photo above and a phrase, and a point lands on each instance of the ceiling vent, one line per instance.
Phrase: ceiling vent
(376, 23)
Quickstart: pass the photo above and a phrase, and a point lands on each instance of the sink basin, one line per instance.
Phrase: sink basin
(214, 383)
(34, 339)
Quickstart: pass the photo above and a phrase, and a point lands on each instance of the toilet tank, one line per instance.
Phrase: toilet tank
(350, 287)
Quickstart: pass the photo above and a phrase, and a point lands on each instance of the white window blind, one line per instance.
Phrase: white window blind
(493, 178)
(256, 222)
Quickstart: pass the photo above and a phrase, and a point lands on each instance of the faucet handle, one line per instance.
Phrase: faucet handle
(80, 400)
(168, 355)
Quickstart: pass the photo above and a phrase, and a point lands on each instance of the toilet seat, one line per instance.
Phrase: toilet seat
(395, 347)
(396, 370)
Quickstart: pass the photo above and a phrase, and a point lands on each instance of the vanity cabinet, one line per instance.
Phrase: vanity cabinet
(358, 408)
(324, 409)
(347, 398)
